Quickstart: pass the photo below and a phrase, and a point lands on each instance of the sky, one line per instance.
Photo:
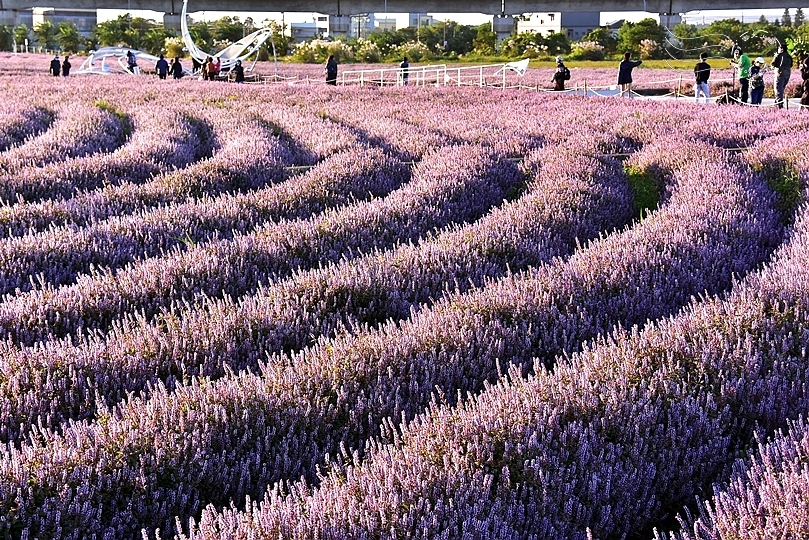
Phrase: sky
(692, 17)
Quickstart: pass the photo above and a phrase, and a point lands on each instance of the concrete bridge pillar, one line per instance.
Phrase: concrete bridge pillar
(339, 25)
(670, 20)
(172, 21)
(503, 26)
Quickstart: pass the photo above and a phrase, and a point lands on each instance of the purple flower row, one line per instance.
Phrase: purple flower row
(454, 185)
(20, 121)
(58, 255)
(159, 142)
(765, 497)
(550, 215)
(76, 132)
(230, 267)
(601, 446)
(341, 390)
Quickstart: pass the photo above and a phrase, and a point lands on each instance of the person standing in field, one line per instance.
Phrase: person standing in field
(331, 71)
(757, 81)
(66, 66)
(176, 68)
(625, 73)
(804, 67)
(405, 67)
(561, 75)
(161, 67)
(132, 63)
(741, 62)
(702, 72)
(55, 68)
(238, 72)
(783, 64)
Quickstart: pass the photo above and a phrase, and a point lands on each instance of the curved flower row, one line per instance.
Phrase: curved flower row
(562, 202)
(341, 390)
(160, 142)
(601, 446)
(766, 496)
(454, 185)
(57, 256)
(152, 285)
(76, 132)
(20, 121)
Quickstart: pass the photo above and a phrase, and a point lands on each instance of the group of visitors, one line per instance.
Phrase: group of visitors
(58, 68)
(163, 68)
(750, 73)
(751, 76)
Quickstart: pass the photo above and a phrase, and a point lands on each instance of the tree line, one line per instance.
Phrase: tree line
(446, 40)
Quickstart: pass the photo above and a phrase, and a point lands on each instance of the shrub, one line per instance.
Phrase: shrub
(586, 50)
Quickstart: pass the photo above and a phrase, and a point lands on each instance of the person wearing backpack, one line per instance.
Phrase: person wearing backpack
(561, 75)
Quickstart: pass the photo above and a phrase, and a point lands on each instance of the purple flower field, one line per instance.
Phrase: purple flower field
(300, 311)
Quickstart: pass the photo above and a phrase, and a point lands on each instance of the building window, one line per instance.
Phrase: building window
(552, 16)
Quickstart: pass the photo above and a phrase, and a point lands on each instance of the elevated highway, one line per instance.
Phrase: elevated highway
(353, 7)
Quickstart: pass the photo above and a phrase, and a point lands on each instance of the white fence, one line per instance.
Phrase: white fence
(431, 75)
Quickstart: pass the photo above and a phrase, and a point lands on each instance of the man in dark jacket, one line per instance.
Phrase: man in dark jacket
(702, 72)
(161, 67)
(783, 63)
(56, 67)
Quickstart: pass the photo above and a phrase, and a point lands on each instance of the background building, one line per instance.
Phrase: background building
(574, 25)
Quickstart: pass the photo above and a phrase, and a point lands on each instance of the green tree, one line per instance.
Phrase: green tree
(21, 33)
(786, 19)
(201, 34)
(112, 33)
(6, 37)
(485, 39)
(523, 44)
(630, 34)
(724, 30)
(557, 43)
(45, 33)
(279, 39)
(799, 19)
(154, 39)
(228, 29)
(124, 31)
(68, 36)
(603, 36)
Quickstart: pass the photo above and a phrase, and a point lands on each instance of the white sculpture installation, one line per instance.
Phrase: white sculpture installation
(241, 50)
(109, 60)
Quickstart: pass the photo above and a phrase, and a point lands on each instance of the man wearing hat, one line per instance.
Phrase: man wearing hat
(783, 65)
(56, 66)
